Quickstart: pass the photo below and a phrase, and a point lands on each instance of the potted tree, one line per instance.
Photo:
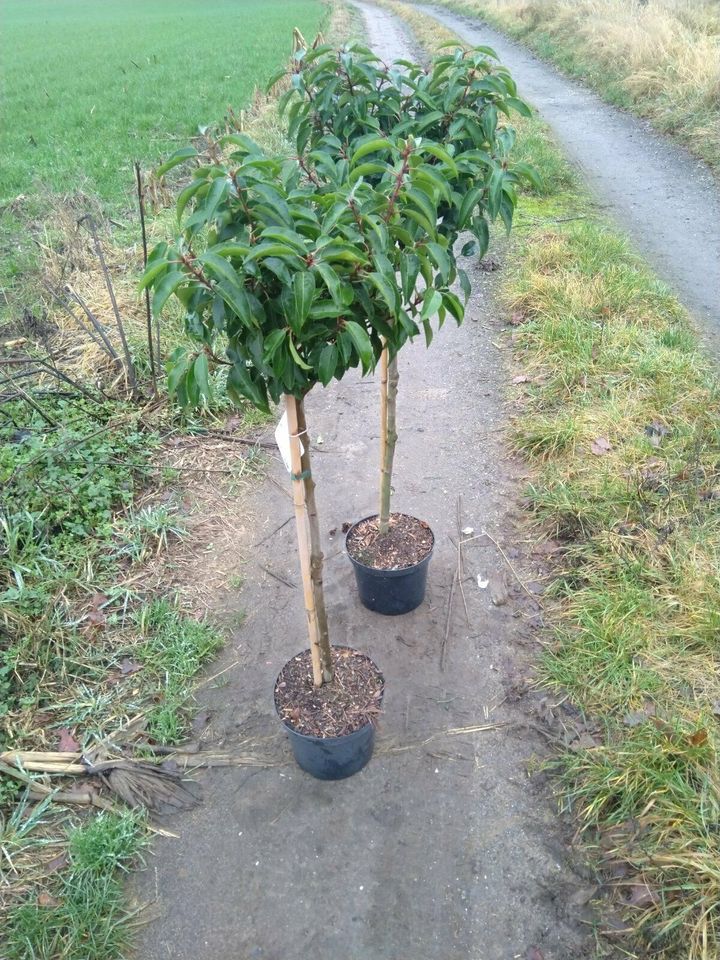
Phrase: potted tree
(345, 106)
(286, 282)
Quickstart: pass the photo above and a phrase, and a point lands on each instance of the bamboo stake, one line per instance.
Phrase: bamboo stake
(388, 435)
(316, 554)
(321, 670)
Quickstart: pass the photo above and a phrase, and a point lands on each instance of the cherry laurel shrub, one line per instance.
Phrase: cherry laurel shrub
(341, 104)
(292, 270)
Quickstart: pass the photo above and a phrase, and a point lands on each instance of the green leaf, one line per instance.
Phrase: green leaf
(371, 146)
(522, 108)
(278, 75)
(441, 154)
(167, 286)
(237, 299)
(153, 270)
(296, 356)
(180, 156)
(272, 342)
(464, 284)
(367, 170)
(453, 306)
(201, 373)
(432, 301)
(428, 332)
(303, 294)
(361, 342)
(386, 289)
(328, 363)
(440, 258)
(409, 270)
(240, 385)
(219, 268)
(469, 248)
(331, 280)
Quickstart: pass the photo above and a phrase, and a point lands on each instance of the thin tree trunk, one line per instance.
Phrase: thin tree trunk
(316, 554)
(389, 377)
(321, 662)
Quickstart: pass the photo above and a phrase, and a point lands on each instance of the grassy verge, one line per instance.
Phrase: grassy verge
(660, 59)
(158, 72)
(118, 528)
(619, 413)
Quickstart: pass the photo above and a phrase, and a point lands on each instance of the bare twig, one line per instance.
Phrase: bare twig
(278, 577)
(130, 367)
(148, 310)
(443, 645)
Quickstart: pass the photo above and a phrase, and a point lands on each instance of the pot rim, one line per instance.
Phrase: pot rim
(397, 571)
(313, 737)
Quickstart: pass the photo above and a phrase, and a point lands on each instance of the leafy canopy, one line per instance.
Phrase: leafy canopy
(292, 271)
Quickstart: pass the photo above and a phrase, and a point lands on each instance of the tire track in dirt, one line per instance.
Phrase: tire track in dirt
(662, 196)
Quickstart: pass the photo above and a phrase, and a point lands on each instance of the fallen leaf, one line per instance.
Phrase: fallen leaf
(635, 717)
(498, 589)
(57, 863)
(521, 379)
(699, 737)
(584, 742)
(96, 616)
(516, 319)
(128, 666)
(600, 446)
(655, 432)
(546, 548)
(641, 895)
(582, 896)
(346, 526)
(201, 721)
(534, 953)
(67, 742)
(45, 900)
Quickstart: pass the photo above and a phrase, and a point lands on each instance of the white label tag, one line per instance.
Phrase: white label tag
(282, 439)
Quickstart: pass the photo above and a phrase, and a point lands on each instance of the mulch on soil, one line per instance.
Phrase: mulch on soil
(334, 709)
(407, 542)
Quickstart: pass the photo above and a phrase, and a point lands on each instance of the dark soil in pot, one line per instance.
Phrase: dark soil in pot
(391, 569)
(407, 542)
(334, 709)
(331, 728)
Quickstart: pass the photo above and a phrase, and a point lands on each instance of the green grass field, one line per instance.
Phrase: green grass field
(90, 87)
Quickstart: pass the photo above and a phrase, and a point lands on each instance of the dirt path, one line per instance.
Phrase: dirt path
(443, 848)
(663, 197)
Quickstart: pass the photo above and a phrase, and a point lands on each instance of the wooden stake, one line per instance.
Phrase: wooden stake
(321, 667)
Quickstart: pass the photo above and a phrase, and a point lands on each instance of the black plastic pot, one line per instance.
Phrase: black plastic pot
(391, 592)
(331, 758)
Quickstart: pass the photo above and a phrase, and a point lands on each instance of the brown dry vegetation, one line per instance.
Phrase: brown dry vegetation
(660, 58)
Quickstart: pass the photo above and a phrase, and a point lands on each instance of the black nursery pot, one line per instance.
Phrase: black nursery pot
(392, 592)
(331, 758)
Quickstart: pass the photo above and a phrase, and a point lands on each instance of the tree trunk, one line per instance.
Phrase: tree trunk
(389, 377)
(308, 544)
(316, 554)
